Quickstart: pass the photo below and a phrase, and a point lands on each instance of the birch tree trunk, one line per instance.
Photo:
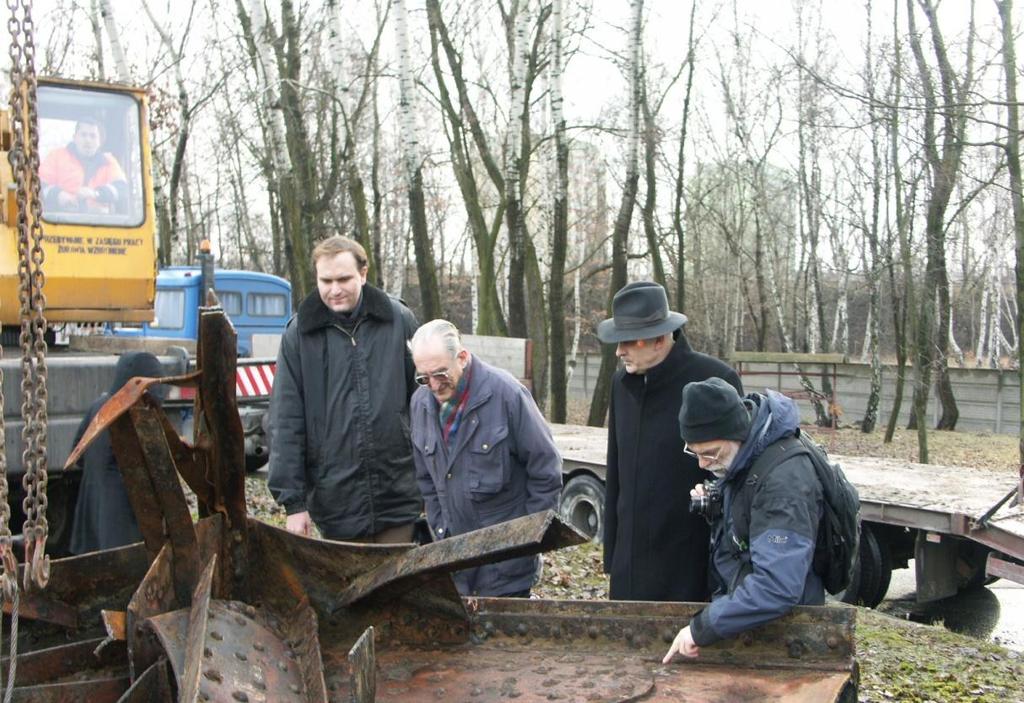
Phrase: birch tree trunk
(620, 235)
(559, 227)
(120, 64)
(413, 162)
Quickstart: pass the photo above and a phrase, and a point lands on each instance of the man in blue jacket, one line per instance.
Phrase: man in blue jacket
(761, 555)
(482, 451)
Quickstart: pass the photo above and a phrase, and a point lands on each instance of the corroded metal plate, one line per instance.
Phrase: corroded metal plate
(243, 660)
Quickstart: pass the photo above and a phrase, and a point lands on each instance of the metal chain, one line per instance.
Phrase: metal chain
(39, 561)
(33, 323)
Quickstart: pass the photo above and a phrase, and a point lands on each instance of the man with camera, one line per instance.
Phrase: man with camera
(650, 551)
(764, 506)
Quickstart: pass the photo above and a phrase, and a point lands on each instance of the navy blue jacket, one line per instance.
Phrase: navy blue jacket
(753, 586)
(503, 465)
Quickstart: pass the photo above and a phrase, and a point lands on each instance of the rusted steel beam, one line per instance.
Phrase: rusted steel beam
(137, 483)
(116, 624)
(363, 663)
(292, 568)
(56, 663)
(189, 466)
(107, 690)
(152, 687)
(188, 684)
(167, 488)
(154, 595)
(219, 429)
(47, 609)
(810, 638)
(301, 633)
(119, 404)
(532, 534)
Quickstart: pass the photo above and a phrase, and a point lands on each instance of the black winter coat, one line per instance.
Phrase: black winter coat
(654, 548)
(340, 444)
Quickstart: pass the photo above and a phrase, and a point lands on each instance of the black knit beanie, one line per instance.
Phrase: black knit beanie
(712, 410)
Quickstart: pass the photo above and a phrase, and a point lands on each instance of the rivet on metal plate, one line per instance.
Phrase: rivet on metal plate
(592, 632)
(240, 656)
(214, 635)
(241, 696)
(522, 629)
(258, 646)
(207, 652)
(213, 675)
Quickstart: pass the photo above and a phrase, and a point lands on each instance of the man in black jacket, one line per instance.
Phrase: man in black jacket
(654, 549)
(340, 450)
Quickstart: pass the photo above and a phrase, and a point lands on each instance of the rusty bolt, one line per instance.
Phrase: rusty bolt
(258, 646)
(241, 656)
(214, 635)
(832, 642)
(241, 696)
(592, 632)
(213, 675)
(522, 629)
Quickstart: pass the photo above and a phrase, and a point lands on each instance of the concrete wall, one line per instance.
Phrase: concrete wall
(989, 400)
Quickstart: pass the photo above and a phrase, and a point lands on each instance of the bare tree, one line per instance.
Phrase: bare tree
(1016, 196)
(620, 234)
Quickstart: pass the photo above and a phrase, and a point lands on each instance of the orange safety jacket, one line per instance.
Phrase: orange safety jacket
(61, 169)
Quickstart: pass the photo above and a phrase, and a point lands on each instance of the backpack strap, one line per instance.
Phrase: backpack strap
(743, 501)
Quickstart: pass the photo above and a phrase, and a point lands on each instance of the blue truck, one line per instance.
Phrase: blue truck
(257, 303)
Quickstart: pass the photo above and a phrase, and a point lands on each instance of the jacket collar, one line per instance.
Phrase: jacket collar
(314, 315)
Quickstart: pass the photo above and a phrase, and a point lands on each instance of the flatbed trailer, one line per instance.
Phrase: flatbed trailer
(940, 516)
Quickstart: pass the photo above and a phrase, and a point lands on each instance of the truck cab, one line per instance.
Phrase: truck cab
(256, 303)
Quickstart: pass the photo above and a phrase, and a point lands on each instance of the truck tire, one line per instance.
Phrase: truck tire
(872, 573)
(582, 505)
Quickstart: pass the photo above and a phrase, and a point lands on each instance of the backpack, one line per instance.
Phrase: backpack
(838, 541)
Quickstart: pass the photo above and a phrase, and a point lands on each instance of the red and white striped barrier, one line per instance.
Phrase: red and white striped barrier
(251, 381)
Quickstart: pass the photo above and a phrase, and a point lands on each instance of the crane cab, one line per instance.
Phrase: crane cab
(96, 195)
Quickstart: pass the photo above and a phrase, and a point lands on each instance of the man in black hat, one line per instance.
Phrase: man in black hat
(654, 549)
(765, 519)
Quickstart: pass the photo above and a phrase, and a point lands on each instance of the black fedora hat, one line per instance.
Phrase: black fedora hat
(639, 311)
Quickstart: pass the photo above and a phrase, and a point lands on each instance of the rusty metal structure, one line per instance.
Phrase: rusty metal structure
(222, 607)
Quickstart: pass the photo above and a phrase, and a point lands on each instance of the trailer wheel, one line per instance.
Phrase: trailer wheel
(582, 505)
(871, 575)
(970, 566)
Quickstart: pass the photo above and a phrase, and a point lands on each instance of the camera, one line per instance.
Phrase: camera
(709, 504)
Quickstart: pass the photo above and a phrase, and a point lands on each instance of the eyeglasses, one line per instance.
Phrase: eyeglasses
(706, 456)
(441, 376)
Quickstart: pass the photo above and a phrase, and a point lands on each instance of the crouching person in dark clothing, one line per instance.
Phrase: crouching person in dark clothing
(763, 532)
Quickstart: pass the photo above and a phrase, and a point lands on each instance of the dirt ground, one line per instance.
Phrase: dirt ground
(899, 661)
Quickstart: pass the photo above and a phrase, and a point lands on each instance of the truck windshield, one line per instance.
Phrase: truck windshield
(91, 170)
(169, 309)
